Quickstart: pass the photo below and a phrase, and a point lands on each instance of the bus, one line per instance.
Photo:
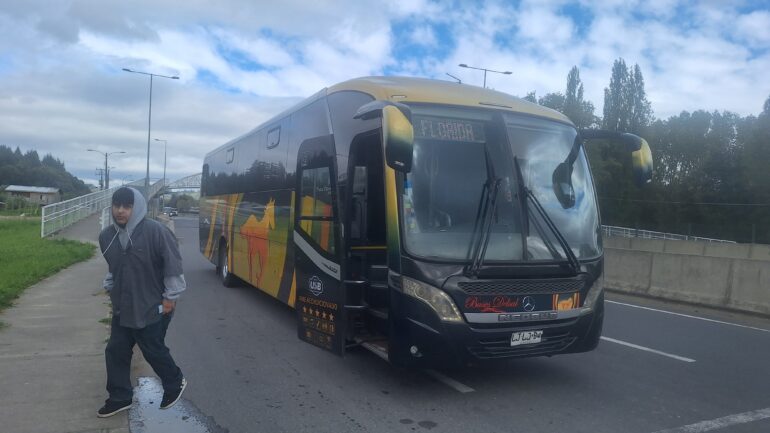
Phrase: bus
(430, 222)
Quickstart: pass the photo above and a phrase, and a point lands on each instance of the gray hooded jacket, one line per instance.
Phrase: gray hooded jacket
(144, 267)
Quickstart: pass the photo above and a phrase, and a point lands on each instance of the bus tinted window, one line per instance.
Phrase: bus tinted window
(316, 193)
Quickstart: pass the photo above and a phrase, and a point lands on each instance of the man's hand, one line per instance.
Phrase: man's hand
(168, 306)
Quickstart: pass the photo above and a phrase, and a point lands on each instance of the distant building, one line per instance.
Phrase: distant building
(40, 195)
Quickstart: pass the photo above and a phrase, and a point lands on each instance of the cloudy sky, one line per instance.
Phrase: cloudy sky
(62, 88)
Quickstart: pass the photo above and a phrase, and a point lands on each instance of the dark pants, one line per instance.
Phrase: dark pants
(151, 341)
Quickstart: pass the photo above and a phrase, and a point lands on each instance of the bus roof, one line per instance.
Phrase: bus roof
(410, 89)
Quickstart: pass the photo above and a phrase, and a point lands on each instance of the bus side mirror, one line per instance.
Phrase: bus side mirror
(562, 185)
(642, 163)
(641, 155)
(397, 132)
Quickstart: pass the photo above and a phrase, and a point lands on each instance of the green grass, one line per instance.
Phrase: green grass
(31, 211)
(25, 258)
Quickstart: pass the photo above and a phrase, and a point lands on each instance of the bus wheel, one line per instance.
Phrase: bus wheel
(228, 279)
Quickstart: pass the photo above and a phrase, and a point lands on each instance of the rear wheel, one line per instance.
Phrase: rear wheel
(228, 279)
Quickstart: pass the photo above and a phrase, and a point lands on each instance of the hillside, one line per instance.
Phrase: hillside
(29, 170)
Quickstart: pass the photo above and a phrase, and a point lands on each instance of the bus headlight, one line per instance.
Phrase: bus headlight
(593, 293)
(438, 300)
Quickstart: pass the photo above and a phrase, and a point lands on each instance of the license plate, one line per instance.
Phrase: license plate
(526, 337)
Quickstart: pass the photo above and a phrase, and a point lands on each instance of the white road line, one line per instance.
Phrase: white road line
(448, 381)
(716, 424)
(689, 316)
(647, 349)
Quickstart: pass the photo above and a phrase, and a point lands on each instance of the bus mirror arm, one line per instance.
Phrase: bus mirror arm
(374, 109)
(632, 142)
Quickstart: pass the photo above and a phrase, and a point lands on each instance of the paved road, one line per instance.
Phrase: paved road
(654, 371)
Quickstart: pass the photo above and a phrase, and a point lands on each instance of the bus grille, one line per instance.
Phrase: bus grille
(494, 349)
(520, 287)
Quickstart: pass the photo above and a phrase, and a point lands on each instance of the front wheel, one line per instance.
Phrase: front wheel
(228, 279)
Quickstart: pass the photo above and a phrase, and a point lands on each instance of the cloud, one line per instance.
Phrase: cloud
(754, 28)
(239, 62)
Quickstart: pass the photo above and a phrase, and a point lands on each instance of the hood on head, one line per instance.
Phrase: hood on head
(138, 212)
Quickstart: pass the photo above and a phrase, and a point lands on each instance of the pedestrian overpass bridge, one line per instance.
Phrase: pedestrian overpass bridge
(58, 216)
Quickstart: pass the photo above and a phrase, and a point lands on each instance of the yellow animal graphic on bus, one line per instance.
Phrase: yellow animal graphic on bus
(566, 301)
(256, 234)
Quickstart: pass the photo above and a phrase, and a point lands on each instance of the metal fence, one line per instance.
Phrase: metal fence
(648, 234)
(60, 215)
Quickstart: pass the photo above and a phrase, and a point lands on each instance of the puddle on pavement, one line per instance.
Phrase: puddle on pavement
(147, 417)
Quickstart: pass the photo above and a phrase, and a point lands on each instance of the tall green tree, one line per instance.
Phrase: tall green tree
(640, 108)
(626, 107)
(580, 111)
(615, 98)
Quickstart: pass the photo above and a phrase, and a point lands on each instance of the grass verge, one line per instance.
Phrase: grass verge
(25, 258)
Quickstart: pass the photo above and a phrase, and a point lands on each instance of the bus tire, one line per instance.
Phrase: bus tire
(228, 279)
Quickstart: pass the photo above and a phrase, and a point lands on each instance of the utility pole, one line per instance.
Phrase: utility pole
(100, 172)
(106, 168)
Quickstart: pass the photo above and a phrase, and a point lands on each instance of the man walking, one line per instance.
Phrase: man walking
(144, 281)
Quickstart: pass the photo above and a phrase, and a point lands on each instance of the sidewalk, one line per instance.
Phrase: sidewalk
(52, 351)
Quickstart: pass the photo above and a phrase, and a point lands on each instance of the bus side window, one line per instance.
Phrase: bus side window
(273, 137)
(316, 196)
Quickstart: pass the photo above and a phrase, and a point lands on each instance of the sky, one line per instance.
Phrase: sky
(239, 62)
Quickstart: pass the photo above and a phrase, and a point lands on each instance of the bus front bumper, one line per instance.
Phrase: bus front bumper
(426, 339)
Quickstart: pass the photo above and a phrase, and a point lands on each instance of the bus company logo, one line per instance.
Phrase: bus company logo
(316, 285)
(492, 304)
(529, 303)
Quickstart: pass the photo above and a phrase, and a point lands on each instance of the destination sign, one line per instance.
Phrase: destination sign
(440, 128)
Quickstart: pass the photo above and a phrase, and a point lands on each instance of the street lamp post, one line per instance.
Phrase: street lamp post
(149, 123)
(463, 65)
(106, 168)
(459, 81)
(165, 142)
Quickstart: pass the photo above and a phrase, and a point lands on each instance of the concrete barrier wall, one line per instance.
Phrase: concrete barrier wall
(733, 276)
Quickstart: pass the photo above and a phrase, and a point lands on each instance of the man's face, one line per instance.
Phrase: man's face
(122, 213)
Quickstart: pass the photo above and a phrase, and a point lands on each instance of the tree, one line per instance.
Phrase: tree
(50, 161)
(626, 107)
(554, 101)
(581, 112)
(766, 108)
(27, 169)
(640, 115)
(615, 103)
(531, 97)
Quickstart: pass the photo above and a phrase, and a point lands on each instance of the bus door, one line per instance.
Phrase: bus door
(320, 293)
(367, 254)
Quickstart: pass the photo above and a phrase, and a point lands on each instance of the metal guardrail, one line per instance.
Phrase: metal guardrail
(60, 215)
(648, 234)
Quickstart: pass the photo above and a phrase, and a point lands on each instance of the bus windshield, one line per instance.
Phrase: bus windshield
(458, 151)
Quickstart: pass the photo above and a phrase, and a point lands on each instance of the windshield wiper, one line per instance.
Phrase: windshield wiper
(529, 196)
(484, 219)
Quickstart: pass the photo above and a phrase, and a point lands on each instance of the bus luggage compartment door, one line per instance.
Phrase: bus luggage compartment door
(320, 291)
